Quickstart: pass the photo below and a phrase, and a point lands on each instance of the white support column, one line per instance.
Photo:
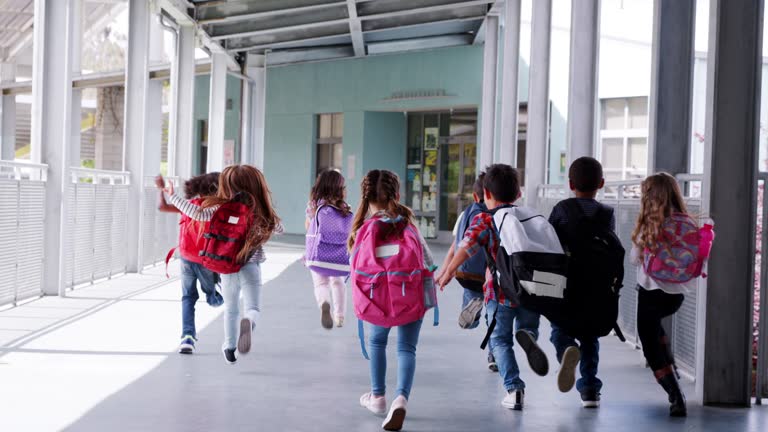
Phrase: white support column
(216, 112)
(735, 63)
(153, 133)
(181, 158)
(76, 38)
(7, 115)
(255, 69)
(488, 113)
(510, 104)
(51, 124)
(136, 122)
(536, 149)
(582, 87)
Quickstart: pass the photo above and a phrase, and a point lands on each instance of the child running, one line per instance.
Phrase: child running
(383, 233)
(471, 274)
(192, 271)
(328, 223)
(661, 204)
(247, 185)
(501, 189)
(585, 177)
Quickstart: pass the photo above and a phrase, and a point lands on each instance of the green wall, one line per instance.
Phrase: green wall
(374, 127)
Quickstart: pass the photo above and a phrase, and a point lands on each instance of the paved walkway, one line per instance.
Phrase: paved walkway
(104, 359)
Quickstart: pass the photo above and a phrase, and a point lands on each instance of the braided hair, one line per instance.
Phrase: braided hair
(382, 189)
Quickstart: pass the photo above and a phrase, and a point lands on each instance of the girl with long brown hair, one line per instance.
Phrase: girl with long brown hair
(245, 184)
(328, 218)
(661, 199)
(380, 197)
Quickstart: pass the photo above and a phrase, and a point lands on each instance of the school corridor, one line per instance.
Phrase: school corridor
(97, 97)
(104, 358)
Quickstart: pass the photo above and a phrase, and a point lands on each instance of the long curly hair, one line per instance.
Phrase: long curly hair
(382, 189)
(202, 185)
(247, 185)
(329, 188)
(661, 197)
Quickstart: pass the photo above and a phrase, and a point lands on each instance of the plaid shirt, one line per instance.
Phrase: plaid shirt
(481, 235)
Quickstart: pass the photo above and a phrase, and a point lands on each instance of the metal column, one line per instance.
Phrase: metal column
(255, 69)
(582, 87)
(730, 189)
(537, 147)
(184, 96)
(217, 112)
(488, 113)
(135, 137)
(7, 115)
(509, 97)
(51, 125)
(669, 139)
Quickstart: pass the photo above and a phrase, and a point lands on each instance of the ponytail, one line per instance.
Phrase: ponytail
(380, 187)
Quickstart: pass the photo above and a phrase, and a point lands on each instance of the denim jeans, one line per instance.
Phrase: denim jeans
(468, 296)
(407, 339)
(191, 273)
(509, 320)
(590, 357)
(247, 280)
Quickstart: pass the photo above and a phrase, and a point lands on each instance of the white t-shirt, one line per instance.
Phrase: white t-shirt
(650, 284)
(458, 224)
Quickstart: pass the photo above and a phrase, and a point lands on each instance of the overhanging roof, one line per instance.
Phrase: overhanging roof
(294, 31)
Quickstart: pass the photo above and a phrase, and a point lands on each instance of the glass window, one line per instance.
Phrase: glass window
(325, 121)
(101, 127)
(23, 113)
(613, 114)
(638, 112)
(338, 125)
(637, 153)
(612, 153)
(330, 150)
(105, 36)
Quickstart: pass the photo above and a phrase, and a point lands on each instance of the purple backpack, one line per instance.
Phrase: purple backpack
(326, 241)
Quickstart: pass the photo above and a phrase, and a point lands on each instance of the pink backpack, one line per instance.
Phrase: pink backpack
(683, 249)
(390, 286)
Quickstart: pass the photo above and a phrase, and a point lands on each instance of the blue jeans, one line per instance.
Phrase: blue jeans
(407, 339)
(468, 296)
(247, 280)
(190, 274)
(590, 357)
(509, 320)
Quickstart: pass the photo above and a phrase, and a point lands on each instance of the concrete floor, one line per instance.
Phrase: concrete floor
(104, 359)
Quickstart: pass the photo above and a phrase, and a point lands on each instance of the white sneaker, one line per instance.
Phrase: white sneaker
(514, 400)
(339, 321)
(396, 416)
(375, 404)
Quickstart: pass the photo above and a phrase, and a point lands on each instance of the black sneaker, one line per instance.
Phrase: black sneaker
(590, 399)
(229, 356)
(536, 357)
(492, 366)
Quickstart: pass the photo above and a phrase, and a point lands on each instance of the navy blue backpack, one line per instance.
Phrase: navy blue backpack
(471, 274)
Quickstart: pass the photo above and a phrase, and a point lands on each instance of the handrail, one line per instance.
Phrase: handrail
(96, 175)
(23, 170)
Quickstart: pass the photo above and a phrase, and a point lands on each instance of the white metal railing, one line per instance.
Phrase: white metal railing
(97, 217)
(22, 227)
(160, 231)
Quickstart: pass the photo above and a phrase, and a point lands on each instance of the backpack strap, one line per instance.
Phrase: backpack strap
(168, 259)
(361, 335)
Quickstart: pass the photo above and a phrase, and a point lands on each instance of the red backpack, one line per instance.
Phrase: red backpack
(225, 237)
(191, 240)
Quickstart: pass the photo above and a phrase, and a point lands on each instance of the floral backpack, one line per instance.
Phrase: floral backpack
(682, 250)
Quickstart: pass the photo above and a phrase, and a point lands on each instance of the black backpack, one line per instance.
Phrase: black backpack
(595, 272)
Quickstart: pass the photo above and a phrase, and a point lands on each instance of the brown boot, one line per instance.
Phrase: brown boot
(668, 380)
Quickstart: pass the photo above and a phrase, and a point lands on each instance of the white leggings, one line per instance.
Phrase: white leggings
(324, 286)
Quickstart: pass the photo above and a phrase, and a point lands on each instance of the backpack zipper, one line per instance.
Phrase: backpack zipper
(373, 285)
(403, 288)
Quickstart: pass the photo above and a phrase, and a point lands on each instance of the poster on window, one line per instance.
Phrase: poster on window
(229, 152)
(430, 138)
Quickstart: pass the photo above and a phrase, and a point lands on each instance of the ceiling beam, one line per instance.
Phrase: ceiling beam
(355, 29)
(480, 33)
(335, 39)
(222, 19)
(418, 44)
(307, 55)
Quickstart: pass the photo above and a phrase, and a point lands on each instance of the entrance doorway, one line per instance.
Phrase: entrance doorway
(442, 151)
